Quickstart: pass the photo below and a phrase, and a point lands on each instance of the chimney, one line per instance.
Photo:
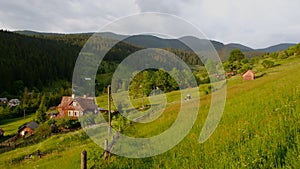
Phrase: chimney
(84, 96)
(73, 96)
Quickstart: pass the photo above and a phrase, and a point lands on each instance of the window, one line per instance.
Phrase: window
(74, 103)
(70, 113)
(76, 113)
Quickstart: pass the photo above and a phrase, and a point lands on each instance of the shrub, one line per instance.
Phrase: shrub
(43, 130)
(283, 55)
(64, 123)
(67, 123)
(267, 64)
(274, 55)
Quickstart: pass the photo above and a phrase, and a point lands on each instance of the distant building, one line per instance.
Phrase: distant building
(230, 73)
(3, 101)
(28, 128)
(75, 107)
(249, 75)
(14, 102)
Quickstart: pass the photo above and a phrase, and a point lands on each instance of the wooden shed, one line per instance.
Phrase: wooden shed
(28, 128)
(249, 75)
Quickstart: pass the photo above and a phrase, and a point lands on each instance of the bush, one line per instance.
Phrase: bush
(267, 64)
(283, 55)
(274, 55)
(10, 112)
(67, 123)
(52, 124)
(63, 123)
(43, 130)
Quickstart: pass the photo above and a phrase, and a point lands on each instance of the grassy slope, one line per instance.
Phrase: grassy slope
(260, 128)
(63, 151)
(10, 126)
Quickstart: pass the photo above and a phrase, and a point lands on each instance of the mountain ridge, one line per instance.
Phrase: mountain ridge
(154, 41)
(276, 48)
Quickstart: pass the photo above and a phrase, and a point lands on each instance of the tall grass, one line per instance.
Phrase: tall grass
(260, 128)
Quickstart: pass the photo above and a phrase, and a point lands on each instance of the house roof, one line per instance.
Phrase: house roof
(65, 101)
(32, 125)
(83, 103)
(3, 99)
(15, 100)
(87, 103)
(67, 104)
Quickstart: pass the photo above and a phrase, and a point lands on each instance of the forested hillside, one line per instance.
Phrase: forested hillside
(37, 60)
(33, 62)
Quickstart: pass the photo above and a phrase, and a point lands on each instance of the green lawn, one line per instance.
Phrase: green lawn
(10, 126)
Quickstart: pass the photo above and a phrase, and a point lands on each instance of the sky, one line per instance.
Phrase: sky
(254, 23)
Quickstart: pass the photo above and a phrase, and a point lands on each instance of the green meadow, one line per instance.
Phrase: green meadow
(10, 126)
(260, 128)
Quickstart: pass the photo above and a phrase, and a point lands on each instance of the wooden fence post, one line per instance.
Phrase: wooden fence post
(83, 159)
(106, 149)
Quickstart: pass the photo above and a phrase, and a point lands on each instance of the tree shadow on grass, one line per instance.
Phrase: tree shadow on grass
(261, 75)
(278, 64)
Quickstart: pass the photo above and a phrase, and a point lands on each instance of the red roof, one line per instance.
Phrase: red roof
(81, 104)
(65, 101)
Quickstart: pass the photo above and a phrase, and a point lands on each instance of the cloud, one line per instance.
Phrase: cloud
(165, 6)
(63, 16)
(252, 22)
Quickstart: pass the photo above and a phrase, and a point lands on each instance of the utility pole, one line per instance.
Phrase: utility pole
(109, 109)
(24, 113)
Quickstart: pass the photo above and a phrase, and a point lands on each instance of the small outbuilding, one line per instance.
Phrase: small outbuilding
(249, 75)
(28, 128)
(3, 101)
(230, 73)
(14, 102)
